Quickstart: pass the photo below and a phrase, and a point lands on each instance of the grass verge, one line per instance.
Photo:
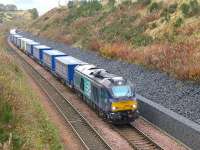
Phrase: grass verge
(23, 122)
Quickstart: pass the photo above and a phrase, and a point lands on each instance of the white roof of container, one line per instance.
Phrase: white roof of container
(54, 52)
(69, 60)
(13, 31)
(25, 39)
(42, 47)
(17, 35)
(33, 42)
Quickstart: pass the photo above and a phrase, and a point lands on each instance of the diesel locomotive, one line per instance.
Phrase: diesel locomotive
(110, 95)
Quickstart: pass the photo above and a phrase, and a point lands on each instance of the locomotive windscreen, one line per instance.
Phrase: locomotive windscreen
(122, 91)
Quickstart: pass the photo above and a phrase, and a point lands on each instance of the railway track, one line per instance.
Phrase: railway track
(136, 138)
(88, 136)
(82, 128)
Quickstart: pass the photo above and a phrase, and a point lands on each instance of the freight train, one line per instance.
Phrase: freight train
(110, 95)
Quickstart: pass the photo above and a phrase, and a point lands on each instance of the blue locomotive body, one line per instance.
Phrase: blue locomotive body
(112, 96)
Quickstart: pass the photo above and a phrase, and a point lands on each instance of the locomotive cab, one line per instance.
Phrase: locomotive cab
(111, 95)
(123, 103)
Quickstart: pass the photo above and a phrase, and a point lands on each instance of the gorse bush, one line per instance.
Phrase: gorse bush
(144, 2)
(142, 40)
(154, 7)
(166, 15)
(191, 9)
(195, 7)
(185, 8)
(172, 8)
(178, 22)
(86, 8)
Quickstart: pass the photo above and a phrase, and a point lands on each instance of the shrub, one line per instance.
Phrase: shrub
(154, 7)
(127, 2)
(6, 114)
(70, 4)
(144, 2)
(153, 25)
(195, 8)
(17, 142)
(34, 13)
(86, 8)
(178, 22)
(3, 136)
(142, 40)
(185, 8)
(94, 45)
(172, 8)
(166, 14)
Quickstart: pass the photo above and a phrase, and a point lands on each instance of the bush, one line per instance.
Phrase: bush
(154, 7)
(185, 8)
(195, 8)
(166, 14)
(142, 40)
(70, 4)
(172, 8)
(153, 25)
(34, 13)
(111, 3)
(3, 136)
(178, 22)
(6, 114)
(86, 8)
(144, 2)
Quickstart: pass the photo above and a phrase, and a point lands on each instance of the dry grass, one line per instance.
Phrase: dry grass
(123, 51)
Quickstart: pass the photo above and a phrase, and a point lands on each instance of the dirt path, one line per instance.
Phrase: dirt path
(68, 139)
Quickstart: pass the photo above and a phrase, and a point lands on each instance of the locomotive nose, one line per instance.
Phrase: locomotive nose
(124, 105)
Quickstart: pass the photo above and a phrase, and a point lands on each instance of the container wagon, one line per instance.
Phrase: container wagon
(38, 52)
(49, 58)
(15, 37)
(23, 44)
(64, 68)
(29, 47)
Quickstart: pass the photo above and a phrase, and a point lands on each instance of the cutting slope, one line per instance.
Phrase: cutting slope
(159, 34)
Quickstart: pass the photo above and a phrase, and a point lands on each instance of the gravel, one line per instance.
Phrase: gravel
(182, 97)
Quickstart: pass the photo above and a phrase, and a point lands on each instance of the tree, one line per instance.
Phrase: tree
(2, 7)
(10, 7)
(34, 13)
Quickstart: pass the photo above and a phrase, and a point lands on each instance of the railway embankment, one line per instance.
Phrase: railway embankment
(170, 103)
(23, 122)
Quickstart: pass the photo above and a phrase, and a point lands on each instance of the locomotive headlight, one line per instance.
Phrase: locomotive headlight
(134, 106)
(113, 108)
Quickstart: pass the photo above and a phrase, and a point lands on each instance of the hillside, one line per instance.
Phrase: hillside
(159, 34)
(10, 14)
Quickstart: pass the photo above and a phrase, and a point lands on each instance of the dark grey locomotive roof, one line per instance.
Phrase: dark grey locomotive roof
(101, 76)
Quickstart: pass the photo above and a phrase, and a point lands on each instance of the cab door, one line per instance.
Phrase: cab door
(104, 100)
(95, 95)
